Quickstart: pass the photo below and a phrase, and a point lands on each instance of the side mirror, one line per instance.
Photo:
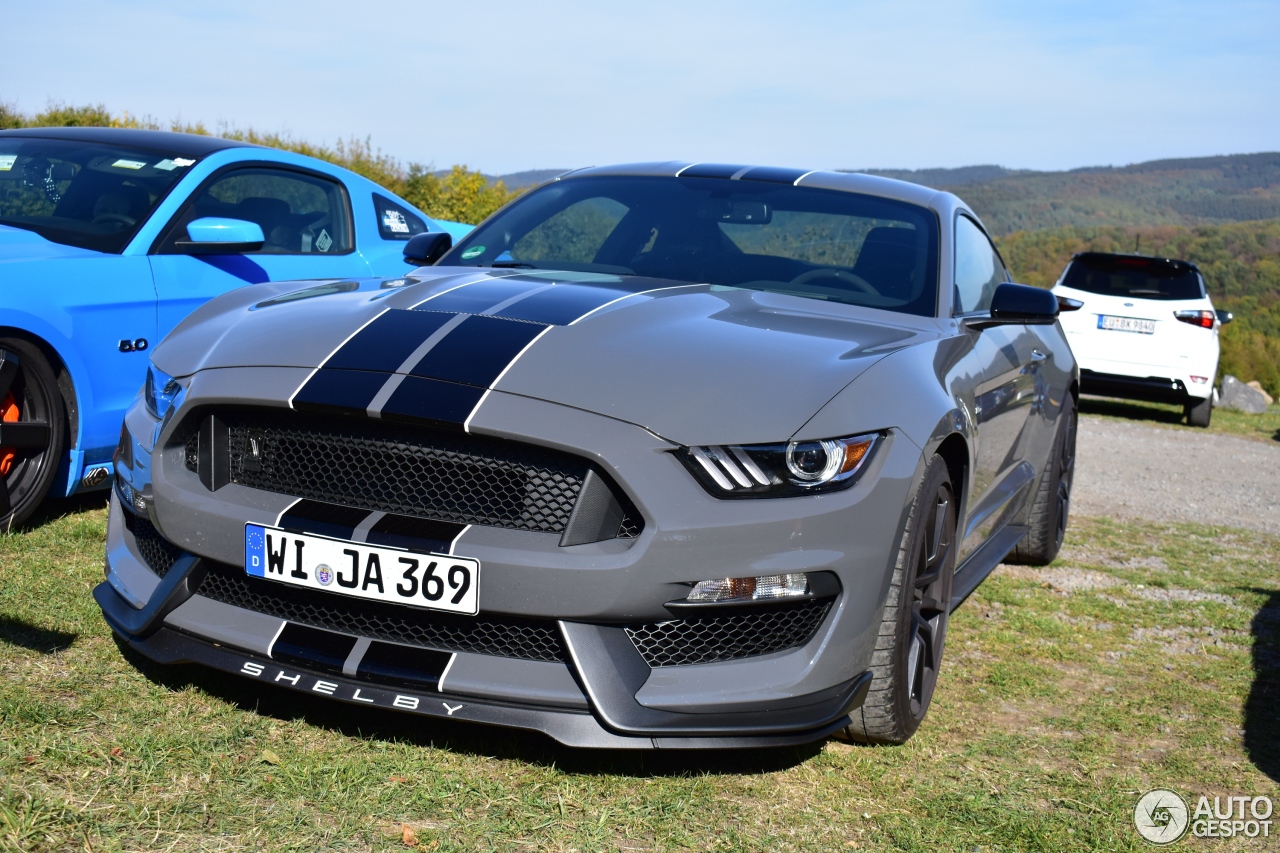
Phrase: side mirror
(423, 250)
(1018, 304)
(213, 235)
(1225, 317)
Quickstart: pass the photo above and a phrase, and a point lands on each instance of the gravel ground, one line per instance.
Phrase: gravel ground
(1131, 470)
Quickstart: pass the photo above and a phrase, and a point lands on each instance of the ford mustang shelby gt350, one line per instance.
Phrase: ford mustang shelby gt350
(664, 455)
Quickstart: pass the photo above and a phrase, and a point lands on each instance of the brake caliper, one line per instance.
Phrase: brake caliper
(9, 413)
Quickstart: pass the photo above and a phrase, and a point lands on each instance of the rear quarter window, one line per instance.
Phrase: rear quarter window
(395, 222)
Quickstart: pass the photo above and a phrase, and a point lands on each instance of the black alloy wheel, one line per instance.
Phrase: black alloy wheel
(908, 653)
(32, 430)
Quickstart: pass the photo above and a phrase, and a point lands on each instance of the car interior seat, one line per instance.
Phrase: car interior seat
(887, 261)
(275, 219)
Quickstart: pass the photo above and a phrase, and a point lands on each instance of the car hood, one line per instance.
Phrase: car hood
(691, 363)
(19, 244)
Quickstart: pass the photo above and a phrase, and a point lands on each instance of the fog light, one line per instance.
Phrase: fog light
(764, 588)
(130, 498)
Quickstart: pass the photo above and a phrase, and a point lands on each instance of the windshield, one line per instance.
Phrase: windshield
(1146, 278)
(89, 195)
(822, 244)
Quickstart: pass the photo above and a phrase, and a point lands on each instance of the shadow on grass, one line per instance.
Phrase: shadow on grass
(21, 633)
(1262, 708)
(54, 508)
(467, 738)
(1129, 410)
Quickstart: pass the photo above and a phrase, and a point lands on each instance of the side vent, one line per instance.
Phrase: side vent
(214, 455)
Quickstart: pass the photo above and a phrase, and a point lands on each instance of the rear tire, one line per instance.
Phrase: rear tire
(1199, 412)
(29, 455)
(913, 628)
(1052, 507)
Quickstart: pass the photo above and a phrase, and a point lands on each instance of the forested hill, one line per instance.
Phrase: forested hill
(1199, 191)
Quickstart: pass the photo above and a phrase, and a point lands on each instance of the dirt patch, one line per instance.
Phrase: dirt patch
(1158, 594)
(1062, 579)
(1190, 641)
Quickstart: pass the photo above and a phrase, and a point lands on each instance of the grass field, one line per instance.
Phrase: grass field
(1146, 656)
(1263, 427)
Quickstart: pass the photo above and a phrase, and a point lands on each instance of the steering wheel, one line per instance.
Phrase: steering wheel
(857, 282)
(113, 218)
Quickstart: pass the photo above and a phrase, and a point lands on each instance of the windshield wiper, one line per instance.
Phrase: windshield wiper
(513, 265)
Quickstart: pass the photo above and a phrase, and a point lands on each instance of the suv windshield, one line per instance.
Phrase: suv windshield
(822, 244)
(1129, 275)
(89, 195)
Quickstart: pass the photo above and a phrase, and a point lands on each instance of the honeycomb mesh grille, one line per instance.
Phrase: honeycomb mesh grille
(728, 637)
(421, 472)
(159, 553)
(486, 634)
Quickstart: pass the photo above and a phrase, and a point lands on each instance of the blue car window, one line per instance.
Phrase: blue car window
(84, 194)
(394, 221)
(300, 213)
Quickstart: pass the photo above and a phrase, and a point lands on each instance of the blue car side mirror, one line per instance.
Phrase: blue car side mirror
(213, 235)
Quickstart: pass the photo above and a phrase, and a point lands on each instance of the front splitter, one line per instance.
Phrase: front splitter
(571, 728)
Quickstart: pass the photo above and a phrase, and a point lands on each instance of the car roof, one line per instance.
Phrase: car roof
(182, 144)
(816, 178)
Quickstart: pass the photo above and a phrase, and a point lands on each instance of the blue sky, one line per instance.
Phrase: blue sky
(507, 86)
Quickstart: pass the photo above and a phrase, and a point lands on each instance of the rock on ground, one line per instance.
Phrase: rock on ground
(1133, 470)
(1237, 395)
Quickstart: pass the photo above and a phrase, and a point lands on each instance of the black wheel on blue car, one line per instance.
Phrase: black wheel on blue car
(913, 629)
(1052, 507)
(31, 430)
(1198, 412)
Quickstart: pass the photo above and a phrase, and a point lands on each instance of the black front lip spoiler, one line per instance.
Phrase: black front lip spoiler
(165, 645)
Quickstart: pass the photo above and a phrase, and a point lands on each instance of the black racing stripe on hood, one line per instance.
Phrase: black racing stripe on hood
(480, 296)
(415, 534)
(477, 351)
(443, 404)
(343, 392)
(324, 519)
(385, 343)
(563, 304)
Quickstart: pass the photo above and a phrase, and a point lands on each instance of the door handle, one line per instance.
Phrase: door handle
(1036, 355)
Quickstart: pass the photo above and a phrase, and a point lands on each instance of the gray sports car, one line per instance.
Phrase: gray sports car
(664, 455)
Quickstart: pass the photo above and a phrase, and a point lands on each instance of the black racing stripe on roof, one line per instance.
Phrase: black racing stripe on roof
(564, 303)
(183, 144)
(481, 296)
(385, 343)
(415, 534)
(477, 351)
(323, 519)
(343, 392)
(773, 175)
(444, 404)
(711, 170)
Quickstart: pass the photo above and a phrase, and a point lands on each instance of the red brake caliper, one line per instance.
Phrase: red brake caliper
(9, 414)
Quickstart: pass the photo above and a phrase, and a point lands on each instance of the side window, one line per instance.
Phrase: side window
(394, 221)
(300, 213)
(978, 268)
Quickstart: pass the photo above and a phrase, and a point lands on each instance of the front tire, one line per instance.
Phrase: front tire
(1198, 412)
(913, 628)
(32, 430)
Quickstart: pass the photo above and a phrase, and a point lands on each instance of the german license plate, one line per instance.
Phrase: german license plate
(1126, 324)
(434, 581)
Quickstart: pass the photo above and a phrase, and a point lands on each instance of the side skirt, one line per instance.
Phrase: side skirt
(983, 561)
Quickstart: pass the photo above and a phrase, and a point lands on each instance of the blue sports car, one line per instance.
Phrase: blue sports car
(109, 237)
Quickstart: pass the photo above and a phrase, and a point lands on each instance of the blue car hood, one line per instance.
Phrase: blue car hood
(19, 244)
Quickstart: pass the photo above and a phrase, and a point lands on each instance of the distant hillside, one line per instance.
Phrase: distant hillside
(516, 180)
(1199, 191)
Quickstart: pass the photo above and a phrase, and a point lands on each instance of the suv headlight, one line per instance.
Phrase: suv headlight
(779, 470)
(161, 392)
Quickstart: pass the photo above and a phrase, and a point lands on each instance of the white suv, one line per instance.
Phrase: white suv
(1146, 330)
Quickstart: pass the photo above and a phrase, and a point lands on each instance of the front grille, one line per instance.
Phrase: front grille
(728, 637)
(485, 634)
(420, 472)
(159, 553)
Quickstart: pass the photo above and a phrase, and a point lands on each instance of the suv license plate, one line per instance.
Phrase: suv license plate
(434, 581)
(1126, 324)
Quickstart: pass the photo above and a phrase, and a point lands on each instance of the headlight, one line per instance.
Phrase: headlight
(779, 470)
(161, 392)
